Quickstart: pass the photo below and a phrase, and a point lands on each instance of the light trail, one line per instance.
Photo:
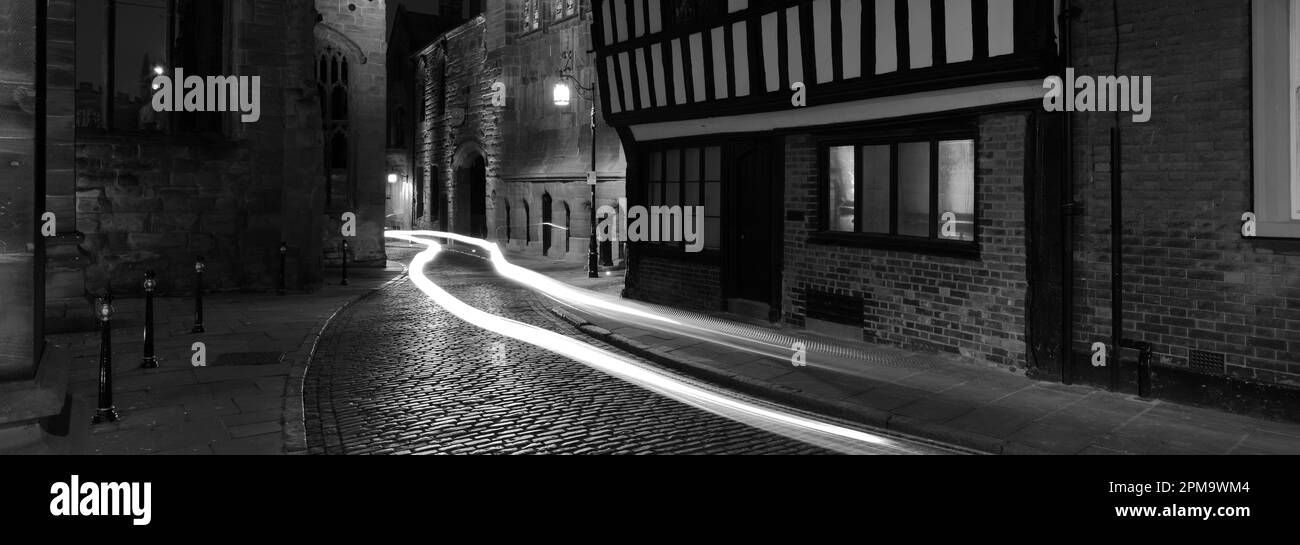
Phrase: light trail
(768, 417)
(736, 336)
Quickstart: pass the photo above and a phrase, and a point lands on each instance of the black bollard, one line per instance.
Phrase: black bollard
(198, 295)
(149, 361)
(104, 311)
(345, 264)
(284, 251)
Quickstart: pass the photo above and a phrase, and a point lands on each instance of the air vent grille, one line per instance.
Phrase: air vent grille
(1206, 362)
(840, 309)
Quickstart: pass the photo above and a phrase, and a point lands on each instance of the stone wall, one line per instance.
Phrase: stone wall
(18, 193)
(362, 25)
(532, 147)
(158, 201)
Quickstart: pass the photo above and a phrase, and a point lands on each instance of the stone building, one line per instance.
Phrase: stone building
(515, 172)
(36, 140)
(153, 195)
(351, 38)
(887, 171)
(411, 32)
(123, 189)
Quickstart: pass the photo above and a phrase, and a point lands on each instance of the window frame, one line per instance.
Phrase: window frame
(577, 10)
(642, 196)
(1275, 160)
(539, 23)
(225, 126)
(933, 135)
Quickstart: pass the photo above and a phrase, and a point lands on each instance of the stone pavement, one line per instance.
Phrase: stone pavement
(945, 398)
(247, 400)
(440, 385)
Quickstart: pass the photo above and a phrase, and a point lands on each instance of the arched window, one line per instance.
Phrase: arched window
(532, 15)
(398, 137)
(332, 83)
(528, 220)
(509, 231)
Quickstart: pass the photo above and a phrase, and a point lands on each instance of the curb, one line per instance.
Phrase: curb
(293, 420)
(701, 369)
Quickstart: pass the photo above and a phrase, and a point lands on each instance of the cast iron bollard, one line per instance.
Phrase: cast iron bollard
(345, 264)
(284, 251)
(149, 361)
(104, 311)
(198, 295)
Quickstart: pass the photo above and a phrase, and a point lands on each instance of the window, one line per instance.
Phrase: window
(122, 46)
(1276, 88)
(902, 191)
(332, 85)
(687, 177)
(532, 16)
(561, 9)
(398, 138)
(685, 11)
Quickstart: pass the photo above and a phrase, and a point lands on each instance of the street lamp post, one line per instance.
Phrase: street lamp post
(561, 98)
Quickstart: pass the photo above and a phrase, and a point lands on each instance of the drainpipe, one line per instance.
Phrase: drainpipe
(1116, 258)
(1116, 231)
(1070, 207)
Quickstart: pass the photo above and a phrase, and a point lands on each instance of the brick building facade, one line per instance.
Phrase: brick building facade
(514, 173)
(1019, 274)
(1222, 311)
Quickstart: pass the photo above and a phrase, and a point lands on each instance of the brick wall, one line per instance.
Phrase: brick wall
(1192, 281)
(674, 282)
(971, 307)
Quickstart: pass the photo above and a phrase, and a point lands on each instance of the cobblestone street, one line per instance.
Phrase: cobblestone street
(397, 374)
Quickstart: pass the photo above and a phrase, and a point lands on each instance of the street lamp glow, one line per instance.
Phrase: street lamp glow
(158, 70)
(561, 94)
(392, 178)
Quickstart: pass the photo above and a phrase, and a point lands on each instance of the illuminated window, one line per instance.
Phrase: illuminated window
(561, 9)
(908, 189)
(532, 15)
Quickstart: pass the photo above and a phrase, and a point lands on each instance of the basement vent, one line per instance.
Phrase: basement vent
(840, 309)
(1205, 362)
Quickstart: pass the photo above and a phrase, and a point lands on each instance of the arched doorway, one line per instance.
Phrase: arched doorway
(471, 191)
(546, 223)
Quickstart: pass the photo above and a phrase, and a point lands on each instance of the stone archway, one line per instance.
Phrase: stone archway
(469, 193)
